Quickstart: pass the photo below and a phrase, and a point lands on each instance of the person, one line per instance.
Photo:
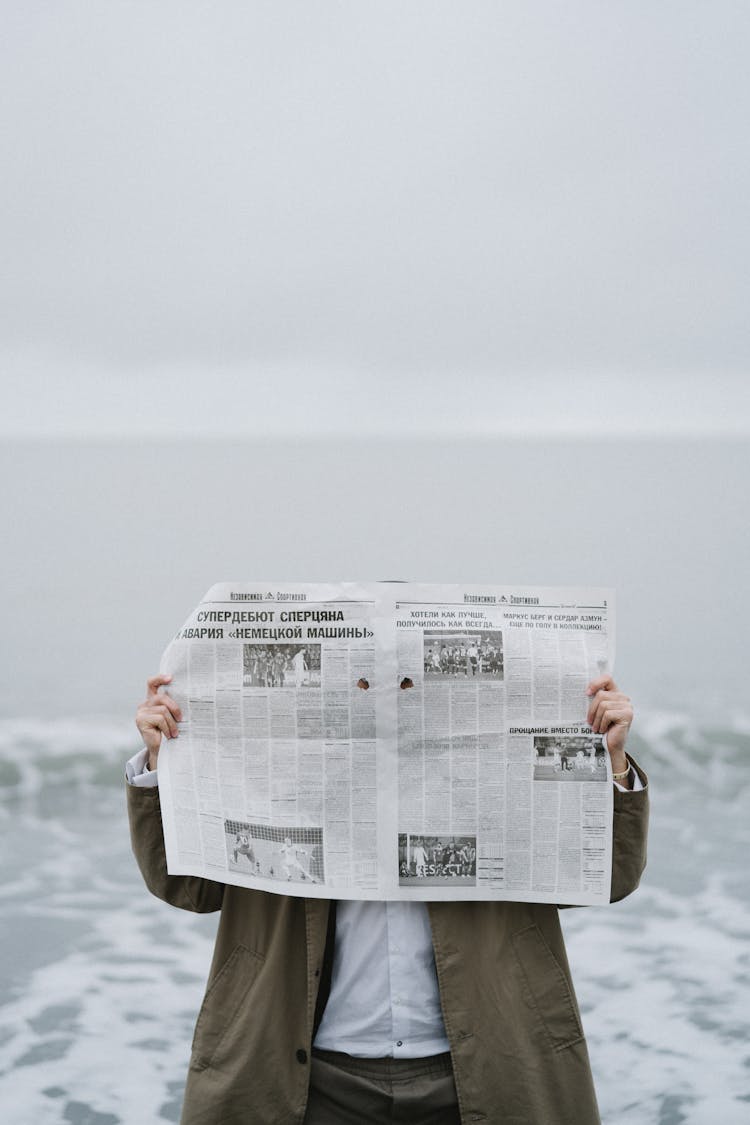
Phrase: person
(290, 862)
(242, 846)
(592, 757)
(438, 1013)
(419, 858)
(300, 667)
(473, 654)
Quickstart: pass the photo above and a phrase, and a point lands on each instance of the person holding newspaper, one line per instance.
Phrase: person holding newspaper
(438, 1013)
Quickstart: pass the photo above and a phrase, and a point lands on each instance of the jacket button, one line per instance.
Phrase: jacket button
(301, 1055)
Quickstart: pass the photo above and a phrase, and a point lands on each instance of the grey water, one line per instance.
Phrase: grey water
(108, 547)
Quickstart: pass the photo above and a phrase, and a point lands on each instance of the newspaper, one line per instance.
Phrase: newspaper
(383, 740)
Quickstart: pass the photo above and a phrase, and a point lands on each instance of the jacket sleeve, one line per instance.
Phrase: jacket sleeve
(629, 838)
(147, 839)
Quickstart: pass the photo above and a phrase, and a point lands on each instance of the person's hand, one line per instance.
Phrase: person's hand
(158, 714)
(611, 712)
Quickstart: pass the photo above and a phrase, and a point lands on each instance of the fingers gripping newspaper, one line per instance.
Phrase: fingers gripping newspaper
(391, 741)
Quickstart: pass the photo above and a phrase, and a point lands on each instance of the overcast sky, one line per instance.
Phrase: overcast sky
(443, 217)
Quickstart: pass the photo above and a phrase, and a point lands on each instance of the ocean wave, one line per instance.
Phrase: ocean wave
(37, 753)
(91, 750)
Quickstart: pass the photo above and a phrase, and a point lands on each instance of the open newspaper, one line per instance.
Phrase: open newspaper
(378, 740)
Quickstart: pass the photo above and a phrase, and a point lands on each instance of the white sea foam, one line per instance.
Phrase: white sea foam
(108, 1025)
(665, 1006)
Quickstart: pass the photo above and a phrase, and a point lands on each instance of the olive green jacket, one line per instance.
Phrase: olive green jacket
(511, 1017)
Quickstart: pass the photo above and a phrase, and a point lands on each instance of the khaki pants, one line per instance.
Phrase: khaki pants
(349, 1091)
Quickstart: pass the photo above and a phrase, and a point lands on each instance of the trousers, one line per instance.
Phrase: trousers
(350, 1091)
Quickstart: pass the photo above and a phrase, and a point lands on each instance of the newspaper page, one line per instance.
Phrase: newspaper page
(391, 741)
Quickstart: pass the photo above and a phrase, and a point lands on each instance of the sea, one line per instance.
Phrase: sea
(101, 982)
(107, 551)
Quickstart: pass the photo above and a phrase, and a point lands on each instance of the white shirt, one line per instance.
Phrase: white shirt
(384, 1000)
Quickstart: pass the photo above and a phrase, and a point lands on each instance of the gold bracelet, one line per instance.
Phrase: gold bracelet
(620, 776)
